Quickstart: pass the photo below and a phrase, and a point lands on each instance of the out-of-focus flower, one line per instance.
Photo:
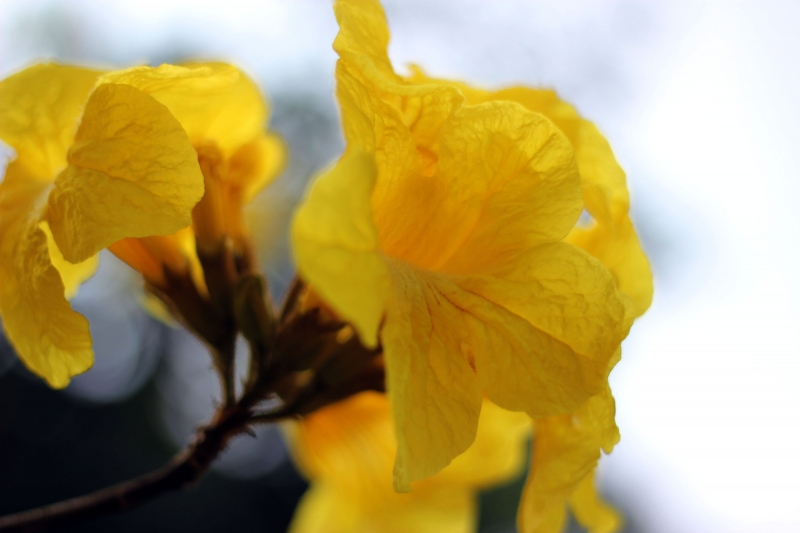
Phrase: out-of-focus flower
(347, 451)
(440, 235)
(96, 162)
(150, 143)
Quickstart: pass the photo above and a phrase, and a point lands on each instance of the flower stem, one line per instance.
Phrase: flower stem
(183, 470)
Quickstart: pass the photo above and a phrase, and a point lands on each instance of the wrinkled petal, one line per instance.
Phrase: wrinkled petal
(405, 164)
(430, 377)
(520, 367)
(511, 182)
(603, 180)
(437, 336)
(618, 248)
(132, 173)
(612, 239)
(591, 511)
(72, 275)
(604, 189)
(505, 181)
(39, 111)
(363, 36)
(336, 244)
(566, 449)
(564, 292)
(51, 339)
(212, 101)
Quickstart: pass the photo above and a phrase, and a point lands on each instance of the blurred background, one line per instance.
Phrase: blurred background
(699, 101)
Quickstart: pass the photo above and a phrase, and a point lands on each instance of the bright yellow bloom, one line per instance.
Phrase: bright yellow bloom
(611, 236)
(111, 160)
(438, 234)
(96, 162)
(223, 113)
(347, 451)
(567, 447)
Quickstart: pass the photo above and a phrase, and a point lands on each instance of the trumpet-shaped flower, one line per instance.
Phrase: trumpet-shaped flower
(347, 451)
(223, 114)
(96, 162)
(567, 447)
(439, 234)
(610, 237)
(118, 160)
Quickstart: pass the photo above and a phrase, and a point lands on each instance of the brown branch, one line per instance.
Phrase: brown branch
(184, 470)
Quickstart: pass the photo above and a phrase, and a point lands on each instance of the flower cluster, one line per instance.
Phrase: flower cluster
(448, 304)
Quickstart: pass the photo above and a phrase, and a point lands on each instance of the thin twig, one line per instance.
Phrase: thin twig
(184, 469)
(289, 303)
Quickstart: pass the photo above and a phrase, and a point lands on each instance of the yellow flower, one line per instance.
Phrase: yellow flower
(611, 236)
(347, 451)
(567, 447)
(438, 234)
(223, 114)
(96, 162)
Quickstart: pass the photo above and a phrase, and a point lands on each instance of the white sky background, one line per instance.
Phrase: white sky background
(700, 102)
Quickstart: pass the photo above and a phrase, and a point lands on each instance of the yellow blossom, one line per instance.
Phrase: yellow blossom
(347, 451)
(223, 114)
(610, 237)
(567, 447)
(96, 162)
(439, 235)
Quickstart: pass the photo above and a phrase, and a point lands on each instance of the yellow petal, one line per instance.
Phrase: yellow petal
(326, 508)
(512, 184)
(336, 244)
(591, 511)
(212, 101)
(72, 275)
(363, 36)
(612, 239)
(406, 200)
(329, 508)
(505, 181)
(603, 180)
(379, 111)
(132, 173)
(520, 367)
(430, 379)
(498, 454)
(351, 441)
(566, 449)
(618, 248)
(347, 450)
(39, 111)
(50, 338)
(256, 164)
(604, 189)
(433, 509)
(566, 293)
